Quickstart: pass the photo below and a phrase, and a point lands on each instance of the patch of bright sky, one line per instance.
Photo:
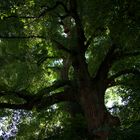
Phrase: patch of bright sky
(112, 97)
(2, 123)
(56, 62)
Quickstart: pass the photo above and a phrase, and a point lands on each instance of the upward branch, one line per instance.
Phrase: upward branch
(106, 63)
(79, 27)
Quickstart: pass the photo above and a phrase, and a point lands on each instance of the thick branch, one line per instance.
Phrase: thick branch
(122, 55)
(112, 56)
(28, 96)
(66, 96)
(44, 102)
(15, 106)
(102, 73)
(106, 64)
(20, 17)
(79, 27)
(19, 94)
(56, 85)
(31, 99)
(128, 54)
(20, 37)
(111, 80)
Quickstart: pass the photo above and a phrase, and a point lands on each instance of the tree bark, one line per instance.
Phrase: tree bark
(99, 121)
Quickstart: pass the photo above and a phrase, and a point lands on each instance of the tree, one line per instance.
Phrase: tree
(68, 51)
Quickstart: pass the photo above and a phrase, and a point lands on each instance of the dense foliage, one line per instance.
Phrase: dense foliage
(57, 57)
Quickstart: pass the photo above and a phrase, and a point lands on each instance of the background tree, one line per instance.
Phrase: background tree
(68, 51)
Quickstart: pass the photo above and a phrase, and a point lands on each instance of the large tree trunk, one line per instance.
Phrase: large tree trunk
(91, 91)
(99, 121)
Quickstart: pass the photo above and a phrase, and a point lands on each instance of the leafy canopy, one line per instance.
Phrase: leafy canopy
(38, 38)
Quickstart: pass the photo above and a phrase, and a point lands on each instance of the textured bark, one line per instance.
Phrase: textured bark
(99, 121)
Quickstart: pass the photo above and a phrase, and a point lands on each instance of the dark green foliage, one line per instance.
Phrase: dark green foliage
(39, 40)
